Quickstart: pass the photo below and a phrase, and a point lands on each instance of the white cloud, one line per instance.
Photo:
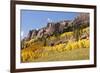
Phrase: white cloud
(22, 33)
(36, 28)
(49, 20)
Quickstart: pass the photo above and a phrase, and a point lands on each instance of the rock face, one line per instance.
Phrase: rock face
(29, 35)
(58, 27)
(40, 33)
(83, 18)
(55, 27)
(34, 33)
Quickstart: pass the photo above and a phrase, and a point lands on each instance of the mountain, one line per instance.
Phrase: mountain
(80, 21)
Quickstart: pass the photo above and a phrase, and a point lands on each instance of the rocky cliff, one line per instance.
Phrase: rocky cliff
(59, 27)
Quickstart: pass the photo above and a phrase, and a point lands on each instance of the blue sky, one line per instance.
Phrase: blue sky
(33, 19)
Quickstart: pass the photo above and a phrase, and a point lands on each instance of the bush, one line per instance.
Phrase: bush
(77, 44)
(66, 34)
(32, 52)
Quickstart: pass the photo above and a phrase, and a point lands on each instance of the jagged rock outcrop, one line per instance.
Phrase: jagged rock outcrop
(59, 27)
(82, 19)
(34, 33)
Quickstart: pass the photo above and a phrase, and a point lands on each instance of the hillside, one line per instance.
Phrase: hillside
(66, 40)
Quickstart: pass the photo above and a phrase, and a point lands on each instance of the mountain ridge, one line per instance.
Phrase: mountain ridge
(59, 27)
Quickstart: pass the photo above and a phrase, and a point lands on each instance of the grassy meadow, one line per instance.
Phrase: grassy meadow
(39, 50)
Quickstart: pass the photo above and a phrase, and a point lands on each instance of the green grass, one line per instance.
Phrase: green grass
(76, 54)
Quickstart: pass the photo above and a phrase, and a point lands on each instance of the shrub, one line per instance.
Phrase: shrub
(67, 34)
(32, 52)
